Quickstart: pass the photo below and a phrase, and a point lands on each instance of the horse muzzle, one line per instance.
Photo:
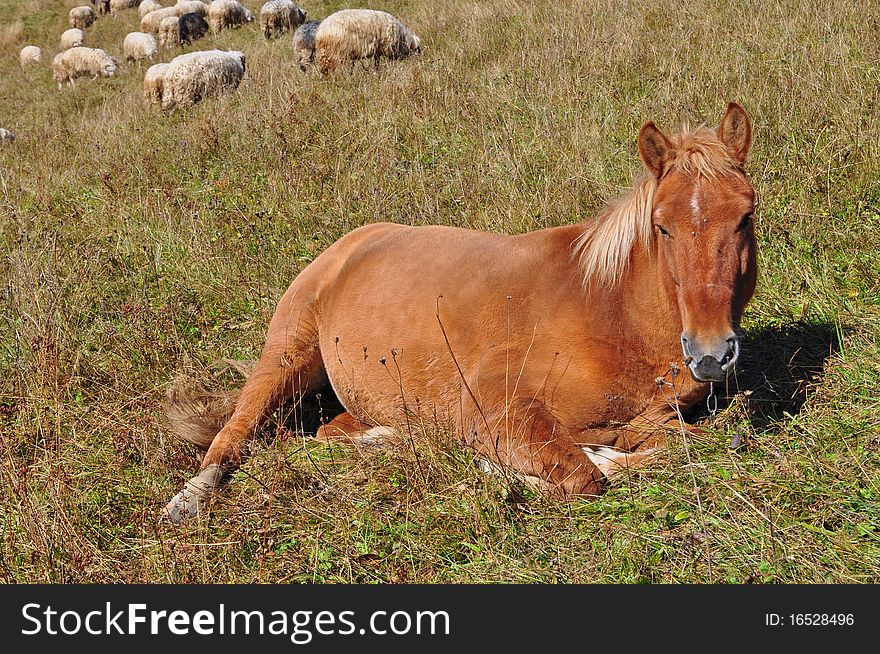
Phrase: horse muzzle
(713, 363)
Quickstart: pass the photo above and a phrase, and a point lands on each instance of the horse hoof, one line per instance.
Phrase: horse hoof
(196, 494)
(612, 462)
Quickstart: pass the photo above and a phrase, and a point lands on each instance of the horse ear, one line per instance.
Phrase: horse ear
(655, 148)
(735, 131)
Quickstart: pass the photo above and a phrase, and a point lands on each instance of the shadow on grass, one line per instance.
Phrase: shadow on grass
(319, 409)
(777, 365)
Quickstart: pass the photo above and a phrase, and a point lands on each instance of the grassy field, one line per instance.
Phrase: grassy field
(135, 247)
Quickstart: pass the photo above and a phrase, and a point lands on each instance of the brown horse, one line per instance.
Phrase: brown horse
(544, 351)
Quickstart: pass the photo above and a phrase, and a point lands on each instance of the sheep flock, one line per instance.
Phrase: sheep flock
(346, 36)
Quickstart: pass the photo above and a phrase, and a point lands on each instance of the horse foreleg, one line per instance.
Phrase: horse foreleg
(637, 443)
(612, 460)
(530, 441)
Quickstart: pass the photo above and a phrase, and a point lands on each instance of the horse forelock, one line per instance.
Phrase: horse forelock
(604, 247)
(700, 152)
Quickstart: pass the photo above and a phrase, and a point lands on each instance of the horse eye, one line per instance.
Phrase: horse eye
(745, 222)
(662, 230)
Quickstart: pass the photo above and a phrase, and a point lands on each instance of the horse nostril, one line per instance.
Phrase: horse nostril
(732, 353)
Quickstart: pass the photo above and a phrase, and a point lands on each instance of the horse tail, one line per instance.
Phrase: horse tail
(197, 414)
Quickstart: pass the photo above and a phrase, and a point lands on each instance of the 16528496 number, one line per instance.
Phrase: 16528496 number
(821, 619)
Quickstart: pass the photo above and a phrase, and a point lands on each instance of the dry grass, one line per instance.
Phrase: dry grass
(10, 36)
(137, 246)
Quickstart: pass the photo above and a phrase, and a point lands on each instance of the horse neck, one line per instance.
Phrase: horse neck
(650, 304)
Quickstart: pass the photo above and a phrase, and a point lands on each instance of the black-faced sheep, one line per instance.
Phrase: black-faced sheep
(227, 13)
(169, 32)
(147, 6)
(71, 38)
(279, 16)
(193, 77)
(103, 6)
(304, 44)
(81, 17)
(79, 62)
(192, 27)
(6, 137)
(139, 45)
(30, 54)
(353, 34)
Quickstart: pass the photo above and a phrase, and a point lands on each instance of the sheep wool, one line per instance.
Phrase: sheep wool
(191, 7)
(71, 38)
(6, 137)
(117, 6)
(139, 45)
(227, 13)
(147, 6)
(304, 44)
(353, 34)
(81, 17)
(192, 27)
(30, 54)
(154, 81)
(169, 32)
(151, 21)
(195, 76)
(279, 16)
(79, 62)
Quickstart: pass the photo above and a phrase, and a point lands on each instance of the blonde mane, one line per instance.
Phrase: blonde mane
(603, 249)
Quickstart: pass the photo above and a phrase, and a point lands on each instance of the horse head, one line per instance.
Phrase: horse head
(704, 238)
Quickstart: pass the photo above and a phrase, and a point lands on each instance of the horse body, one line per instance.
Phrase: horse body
(457, 322)
(527, 347)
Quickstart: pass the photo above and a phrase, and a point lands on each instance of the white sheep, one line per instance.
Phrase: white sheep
(139, 45)
(117, 6)
(6, 137)
(147, 6)
(72, 38)
(151, 21)
(192, 77)
(154, 82)
(79, 62)
(30, 54)
(227, 13)
(192, 7)
(81, 17)
(279, 16)
(353, 34)
(304, 44)
(169, 32)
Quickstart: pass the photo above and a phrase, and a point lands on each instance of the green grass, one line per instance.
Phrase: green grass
(137, 246)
